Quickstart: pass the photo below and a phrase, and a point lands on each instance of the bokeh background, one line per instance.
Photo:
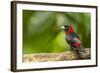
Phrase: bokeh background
(42, 31)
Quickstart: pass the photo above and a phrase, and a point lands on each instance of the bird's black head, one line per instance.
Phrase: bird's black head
(66, 27)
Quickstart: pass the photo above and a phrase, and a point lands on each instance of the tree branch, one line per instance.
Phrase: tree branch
(68, 55)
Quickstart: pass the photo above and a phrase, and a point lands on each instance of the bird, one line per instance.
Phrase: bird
(73, 39)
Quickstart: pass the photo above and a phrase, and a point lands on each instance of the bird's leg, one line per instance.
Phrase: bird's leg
(71, 47)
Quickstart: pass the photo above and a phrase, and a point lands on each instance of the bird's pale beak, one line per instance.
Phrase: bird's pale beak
(62, 27)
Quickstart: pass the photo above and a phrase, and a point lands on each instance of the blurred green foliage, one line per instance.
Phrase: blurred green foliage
(42, 30)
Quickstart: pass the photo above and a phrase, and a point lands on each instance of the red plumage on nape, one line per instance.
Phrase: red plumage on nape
(70, 29)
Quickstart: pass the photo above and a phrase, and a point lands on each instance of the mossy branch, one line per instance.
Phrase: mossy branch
(44, 57)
